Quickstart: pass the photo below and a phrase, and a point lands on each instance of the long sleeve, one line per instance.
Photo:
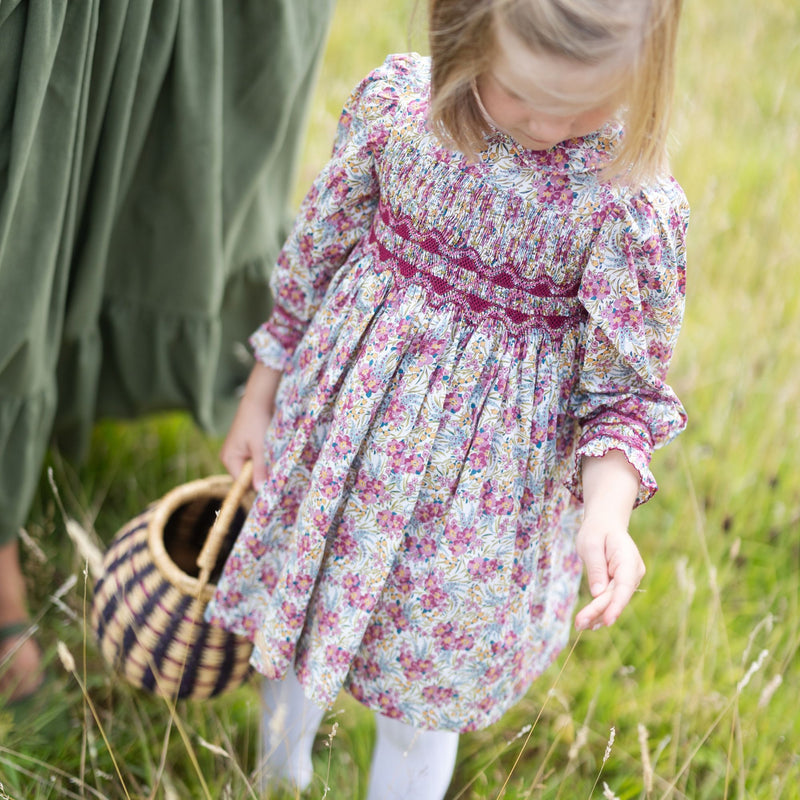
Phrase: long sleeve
(334, 216)
(633, 289)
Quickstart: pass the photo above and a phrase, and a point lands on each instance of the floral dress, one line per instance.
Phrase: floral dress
(454, 337)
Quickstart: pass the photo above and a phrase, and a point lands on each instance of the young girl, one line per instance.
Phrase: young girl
(463, 379)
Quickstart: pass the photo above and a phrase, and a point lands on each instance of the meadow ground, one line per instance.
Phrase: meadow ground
(693, 693)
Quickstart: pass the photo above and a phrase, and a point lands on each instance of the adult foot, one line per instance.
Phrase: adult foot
(20, 663)
(20, 657)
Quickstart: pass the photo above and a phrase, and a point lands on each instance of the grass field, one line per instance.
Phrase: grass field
(699, 678)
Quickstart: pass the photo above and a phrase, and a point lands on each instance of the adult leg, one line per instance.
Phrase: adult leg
(289, 724)
(411, 763)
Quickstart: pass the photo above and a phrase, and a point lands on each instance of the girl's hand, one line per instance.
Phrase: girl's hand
(245, 439)
(614, 569)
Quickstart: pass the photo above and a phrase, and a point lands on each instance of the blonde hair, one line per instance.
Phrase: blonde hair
(463, 41)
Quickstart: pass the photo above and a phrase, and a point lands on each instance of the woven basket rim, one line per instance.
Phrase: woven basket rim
(216, 487)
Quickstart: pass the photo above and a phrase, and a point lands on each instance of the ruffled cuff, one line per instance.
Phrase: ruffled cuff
(274, 343)
(601, 443)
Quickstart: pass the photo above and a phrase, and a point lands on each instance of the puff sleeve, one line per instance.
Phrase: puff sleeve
(333, 217)
(633, 288)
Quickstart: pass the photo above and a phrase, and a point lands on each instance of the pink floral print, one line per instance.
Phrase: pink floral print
(454, 336)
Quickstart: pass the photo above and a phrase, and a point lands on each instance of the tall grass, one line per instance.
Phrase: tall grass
(699, 678)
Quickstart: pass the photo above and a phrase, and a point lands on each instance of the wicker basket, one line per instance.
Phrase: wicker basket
(147, 612)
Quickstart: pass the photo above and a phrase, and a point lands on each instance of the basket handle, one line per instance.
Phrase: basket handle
(207, 559)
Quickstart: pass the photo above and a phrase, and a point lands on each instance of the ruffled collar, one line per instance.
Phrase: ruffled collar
(585, 154)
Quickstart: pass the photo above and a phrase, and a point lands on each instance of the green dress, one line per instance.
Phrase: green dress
(147, 149)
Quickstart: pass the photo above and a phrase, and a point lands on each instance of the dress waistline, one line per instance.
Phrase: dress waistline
(459, 276)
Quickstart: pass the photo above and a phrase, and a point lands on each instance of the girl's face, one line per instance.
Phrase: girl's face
(540, 99)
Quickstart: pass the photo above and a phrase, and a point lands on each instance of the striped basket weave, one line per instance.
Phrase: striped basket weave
(158, 575)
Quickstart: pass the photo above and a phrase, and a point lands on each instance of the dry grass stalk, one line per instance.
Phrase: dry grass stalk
(607, 793)
(611, 737)
(33, 548)
(582, 735)
(88, 550)
(329, 745)
(647, 766)
(754, 667)
(65, 657)
(68, 661)
(769, 690)
(213, 748)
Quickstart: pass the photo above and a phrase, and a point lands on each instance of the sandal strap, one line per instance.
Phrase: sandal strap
(14, 629)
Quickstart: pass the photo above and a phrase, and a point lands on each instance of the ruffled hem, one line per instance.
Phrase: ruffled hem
(143, 359)
(25, 424)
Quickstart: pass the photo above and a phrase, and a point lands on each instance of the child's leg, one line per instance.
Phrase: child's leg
(411, 763)
(288, 726)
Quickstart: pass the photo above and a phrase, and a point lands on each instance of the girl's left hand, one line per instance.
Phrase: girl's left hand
(614, 569)
(245, 439)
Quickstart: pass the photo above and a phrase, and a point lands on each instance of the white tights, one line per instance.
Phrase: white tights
(407, 762)
(410, 763)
